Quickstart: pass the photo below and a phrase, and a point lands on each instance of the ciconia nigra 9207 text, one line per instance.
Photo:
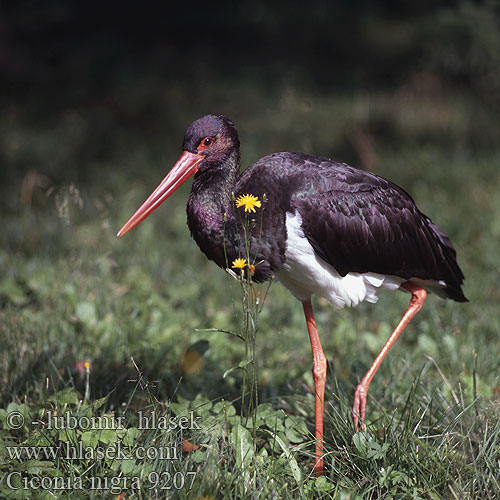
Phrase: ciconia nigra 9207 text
(327, 229)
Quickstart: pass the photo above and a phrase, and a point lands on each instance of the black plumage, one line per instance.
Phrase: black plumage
(354, 221)
(360, 222)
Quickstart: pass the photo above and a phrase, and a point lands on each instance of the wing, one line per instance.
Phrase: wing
(360, 222)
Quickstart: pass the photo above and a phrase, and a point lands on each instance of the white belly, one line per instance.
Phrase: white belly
(304, 273)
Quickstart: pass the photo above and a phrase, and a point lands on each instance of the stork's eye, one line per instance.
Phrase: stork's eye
(205, 144)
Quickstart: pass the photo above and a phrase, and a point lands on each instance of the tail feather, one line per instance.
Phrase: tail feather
(454, 277)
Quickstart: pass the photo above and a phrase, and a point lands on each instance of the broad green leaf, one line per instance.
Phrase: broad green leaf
(242, 441)
(297, 474)
(361, 441)
(90, 438)
(130, 439)
(127, 465)
(65, 397)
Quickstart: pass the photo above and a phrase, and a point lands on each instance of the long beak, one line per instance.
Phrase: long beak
(185, 167)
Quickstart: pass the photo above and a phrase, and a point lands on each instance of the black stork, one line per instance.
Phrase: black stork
(326, 228)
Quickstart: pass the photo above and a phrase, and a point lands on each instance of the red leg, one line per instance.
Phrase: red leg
(418, 295)
(319, 373)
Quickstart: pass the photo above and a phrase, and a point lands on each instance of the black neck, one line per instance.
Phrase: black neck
(211, 199)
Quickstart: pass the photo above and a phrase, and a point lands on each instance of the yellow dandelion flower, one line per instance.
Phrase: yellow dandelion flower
(249, 201)
(239, 264)
(252, 268)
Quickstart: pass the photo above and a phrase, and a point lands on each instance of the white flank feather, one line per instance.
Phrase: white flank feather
(304, 273)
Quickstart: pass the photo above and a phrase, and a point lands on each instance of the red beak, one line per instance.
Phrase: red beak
(185, 167)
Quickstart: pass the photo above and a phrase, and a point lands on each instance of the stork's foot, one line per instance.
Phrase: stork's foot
(358, 408)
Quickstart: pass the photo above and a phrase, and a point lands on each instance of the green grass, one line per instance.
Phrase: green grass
(135, 309)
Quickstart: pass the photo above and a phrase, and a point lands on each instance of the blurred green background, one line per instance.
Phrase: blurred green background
(95, 98)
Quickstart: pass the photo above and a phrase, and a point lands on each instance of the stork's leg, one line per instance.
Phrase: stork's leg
(418, 295)
(319, 373)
